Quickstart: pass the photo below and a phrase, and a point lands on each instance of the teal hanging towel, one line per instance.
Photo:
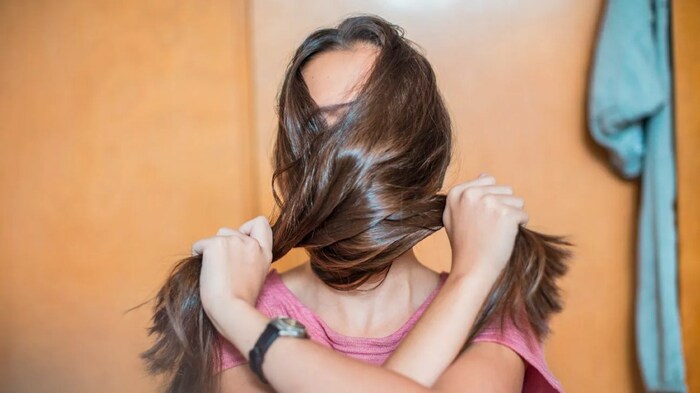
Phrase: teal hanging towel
(630, 114)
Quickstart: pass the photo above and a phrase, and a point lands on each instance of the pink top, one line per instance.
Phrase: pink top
(276, 299)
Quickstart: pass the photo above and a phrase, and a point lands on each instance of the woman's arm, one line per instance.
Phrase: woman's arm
(481, 220)
(297, 365)
(431, 345)
(485, 364)
(435, 340)
(422, 355)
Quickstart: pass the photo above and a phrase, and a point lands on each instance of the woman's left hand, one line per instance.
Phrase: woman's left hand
(234, 265)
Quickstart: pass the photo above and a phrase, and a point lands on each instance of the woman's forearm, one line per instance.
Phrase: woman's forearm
(294, 365)
(420, 359)
(440, 333)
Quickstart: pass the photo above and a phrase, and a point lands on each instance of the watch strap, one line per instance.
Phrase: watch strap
(257, 354)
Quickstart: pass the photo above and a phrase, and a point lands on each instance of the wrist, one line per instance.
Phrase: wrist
(476, 267)
(471, 283)
(243, 325)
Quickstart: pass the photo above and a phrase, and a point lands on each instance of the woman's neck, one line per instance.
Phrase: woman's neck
(375, 312)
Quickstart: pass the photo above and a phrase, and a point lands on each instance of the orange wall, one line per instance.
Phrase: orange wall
(514, 77)
(686, 62)
(127, 133)
(125, 137)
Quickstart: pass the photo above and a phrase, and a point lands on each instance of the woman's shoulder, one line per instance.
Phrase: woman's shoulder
(287, 290)
(272, 290)
(277, 296)
(521, 339)
(295, 278)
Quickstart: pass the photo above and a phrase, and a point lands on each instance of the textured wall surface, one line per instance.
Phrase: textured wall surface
(686, 60)
(125, 137)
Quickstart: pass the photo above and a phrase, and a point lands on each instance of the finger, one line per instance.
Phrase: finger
(199, 246)
(226, 231)
(500, 190)
(259, 229)
(520, 216)
(510, 200)
(247, 226)
(523, 218)
(481, 181)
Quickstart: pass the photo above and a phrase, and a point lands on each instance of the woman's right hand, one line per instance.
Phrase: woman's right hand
(482, 219)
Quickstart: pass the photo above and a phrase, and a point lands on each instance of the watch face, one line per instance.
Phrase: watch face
(292, 322)
(289, 327)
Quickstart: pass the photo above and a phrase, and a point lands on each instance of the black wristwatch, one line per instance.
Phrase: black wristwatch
(278, 326)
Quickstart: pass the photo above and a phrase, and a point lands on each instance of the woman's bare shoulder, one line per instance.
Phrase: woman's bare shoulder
(297, 277)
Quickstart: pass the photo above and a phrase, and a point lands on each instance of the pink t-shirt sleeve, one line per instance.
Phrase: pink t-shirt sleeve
(230, 356)
(538, 377)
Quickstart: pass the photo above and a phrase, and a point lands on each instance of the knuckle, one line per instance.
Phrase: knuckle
(232, 240)
(453, 193)
(471, 194)
(489, 200)
(251, 244)
(219, 242)
(449, 198)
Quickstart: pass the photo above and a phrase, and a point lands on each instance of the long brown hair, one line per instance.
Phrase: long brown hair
(355, 194)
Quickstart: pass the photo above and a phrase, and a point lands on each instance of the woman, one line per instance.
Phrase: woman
(363, 145)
